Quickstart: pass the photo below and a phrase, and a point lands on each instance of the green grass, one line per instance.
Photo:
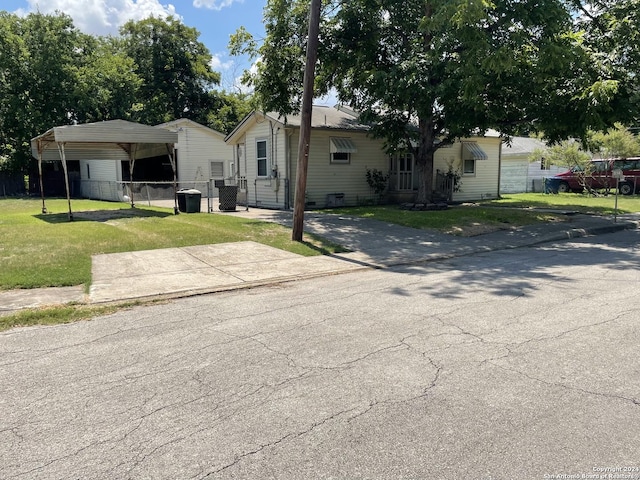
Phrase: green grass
(570, 201)
(55, 315)
(39, 250)
(515, 210)
(455, 219)
(47, 250)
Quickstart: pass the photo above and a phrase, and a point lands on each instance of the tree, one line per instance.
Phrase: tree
(227, 110)
(39, 60)
(612, 30)
(426, 72)
(108, 85)
(615, 142)
(174, 67)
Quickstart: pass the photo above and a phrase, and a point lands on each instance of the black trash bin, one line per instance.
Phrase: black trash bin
(189, 200)
(551, 185)
(228, 197)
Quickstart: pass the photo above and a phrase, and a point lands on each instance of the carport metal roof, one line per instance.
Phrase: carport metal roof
(107, 140)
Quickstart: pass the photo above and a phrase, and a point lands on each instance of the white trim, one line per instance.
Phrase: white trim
(265, 158)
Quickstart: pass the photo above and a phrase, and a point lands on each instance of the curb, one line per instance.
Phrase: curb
(80, 298)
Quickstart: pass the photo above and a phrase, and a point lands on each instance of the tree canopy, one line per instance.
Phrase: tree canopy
(427, 72)
(52, 74)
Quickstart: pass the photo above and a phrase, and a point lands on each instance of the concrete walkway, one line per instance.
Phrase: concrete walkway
(176, 272)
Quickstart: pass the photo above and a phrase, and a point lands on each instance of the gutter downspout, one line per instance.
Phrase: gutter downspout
(287, 144)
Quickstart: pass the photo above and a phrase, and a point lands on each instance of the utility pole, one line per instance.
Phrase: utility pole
(305, 121)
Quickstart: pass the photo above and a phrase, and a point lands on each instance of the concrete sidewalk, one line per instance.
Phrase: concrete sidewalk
(176, 272)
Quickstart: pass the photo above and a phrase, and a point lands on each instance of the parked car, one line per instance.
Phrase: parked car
(601, 176)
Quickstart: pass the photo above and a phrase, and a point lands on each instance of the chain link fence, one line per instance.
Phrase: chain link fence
(162, 193)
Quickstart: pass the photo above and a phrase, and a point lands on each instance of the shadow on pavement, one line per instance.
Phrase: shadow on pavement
(510, 276)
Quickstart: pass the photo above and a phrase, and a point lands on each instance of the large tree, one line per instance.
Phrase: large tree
(426, 72)
(108, 84)
(612, 30)
(39, 60)
(175, 68)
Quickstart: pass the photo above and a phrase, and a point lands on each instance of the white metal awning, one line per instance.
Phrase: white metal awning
(342, 145)
(109, 140)
(474, 150)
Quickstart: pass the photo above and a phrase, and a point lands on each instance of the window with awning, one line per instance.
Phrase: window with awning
(473, 151)
(341, 149)
(342, 145)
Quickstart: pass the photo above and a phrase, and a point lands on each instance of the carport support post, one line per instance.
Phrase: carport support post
(44, 208)
(66, 177)
(171, 150)
(132, 162)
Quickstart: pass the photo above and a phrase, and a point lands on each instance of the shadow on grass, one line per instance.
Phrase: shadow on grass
(101, 215)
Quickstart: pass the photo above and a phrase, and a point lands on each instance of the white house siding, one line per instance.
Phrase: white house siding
(325, 178)
(269, 191)
(482, 185)
(197, 147)
(536, 175)
(513, 175)
(519, 175)
(99, 180)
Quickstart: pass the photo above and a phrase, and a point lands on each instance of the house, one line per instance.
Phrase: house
(519, 171)
(201, 153)
(341, 151)
(200, 156)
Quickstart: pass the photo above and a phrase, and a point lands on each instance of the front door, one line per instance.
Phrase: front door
(402, 172)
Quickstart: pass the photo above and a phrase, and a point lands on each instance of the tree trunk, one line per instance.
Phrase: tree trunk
(424, 160)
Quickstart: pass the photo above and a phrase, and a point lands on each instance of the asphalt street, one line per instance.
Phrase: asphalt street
(515, 364)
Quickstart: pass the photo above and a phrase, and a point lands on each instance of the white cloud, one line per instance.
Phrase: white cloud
(215, 4)
(102, 17)
(217, 64)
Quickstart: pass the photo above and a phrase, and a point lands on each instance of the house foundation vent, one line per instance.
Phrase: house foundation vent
(335, 200)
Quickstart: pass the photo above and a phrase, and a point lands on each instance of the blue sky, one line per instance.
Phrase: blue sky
(214, 19)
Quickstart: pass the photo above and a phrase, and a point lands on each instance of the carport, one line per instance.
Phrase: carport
(109, 140)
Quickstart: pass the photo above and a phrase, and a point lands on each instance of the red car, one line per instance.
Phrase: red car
(602, 176)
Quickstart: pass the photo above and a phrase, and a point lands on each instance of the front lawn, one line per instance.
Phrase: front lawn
(510, 211)
(47, 250)
(578, 202)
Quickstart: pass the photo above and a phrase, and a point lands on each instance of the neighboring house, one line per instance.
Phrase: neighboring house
(202, 153)
(520, 173)
(341, 151)
(201, 156)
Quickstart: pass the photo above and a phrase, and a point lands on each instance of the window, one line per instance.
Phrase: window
(471, 152)
(261, 156)
(469, 167)
(543, 164)
(341, 157)
(217, 169)
(341, 149)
